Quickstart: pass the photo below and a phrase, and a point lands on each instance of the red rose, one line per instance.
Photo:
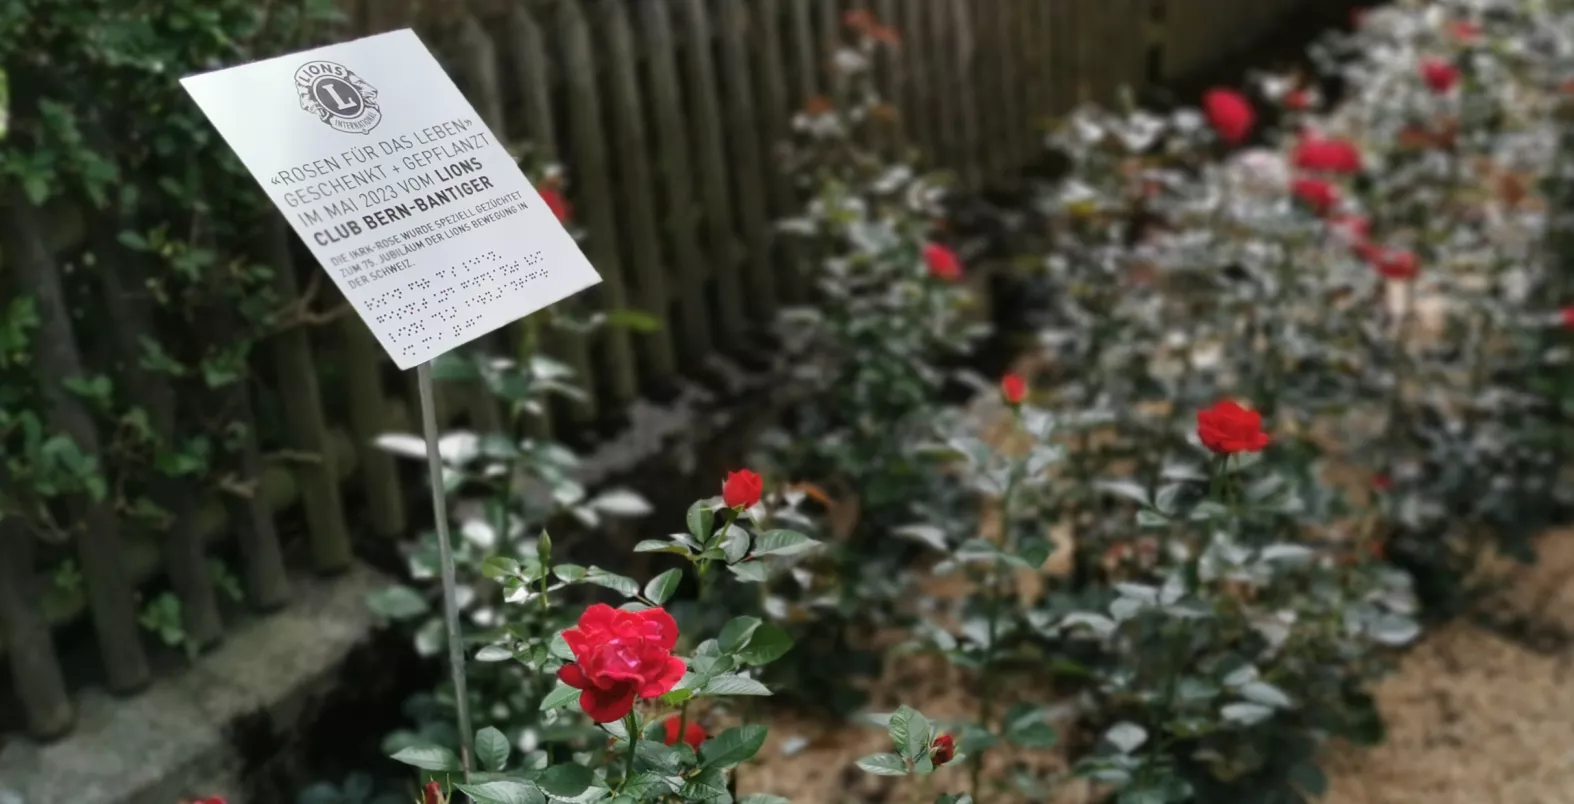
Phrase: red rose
(1464, 30)
(1297, 100)
(1439, 75)
(619, 656)
(741, 489)
(1327, 156)
(1227, 427)
(1013, 388)
(1230, 114)
(1351, 229)
(693, 733)
(943, 263)
(1567, 314)
(557, 203)
(1394, 263)
(1382, 482)
(943, 750)
(432, 793)
(1318, 194)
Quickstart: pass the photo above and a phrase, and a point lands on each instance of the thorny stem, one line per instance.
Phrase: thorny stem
(995, 583)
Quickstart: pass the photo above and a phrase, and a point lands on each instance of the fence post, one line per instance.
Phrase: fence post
(704, 109)
(307, 431)
(743, 130)
(29, 645)
(585, 120)
(57, 362)
(677, 179)
(632, 145)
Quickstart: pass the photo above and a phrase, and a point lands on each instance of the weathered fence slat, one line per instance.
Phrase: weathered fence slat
(57, 362)
(30, 644)
(775, 112)
(306, 428)
(941, 53)
(631, 144)
(592, 177)
(532, 71)
(726, 254)
(262, 557)
(971, 160)
(368, 414)
(677, 180)
(743, 131)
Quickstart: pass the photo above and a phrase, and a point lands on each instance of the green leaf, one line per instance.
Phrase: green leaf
(659, 546)
(700, 520)
(397, 603)
(768, 643)
(491, 748)
(709, 786)
(734, 685)
(884, 765)
(732, 747)
(1307, 776)
(503, 791)
(566, 781)
(750, 571)
(661, 587)
(560, 696)
(647, 784)
(653, 753)
(909, 732)
(783, 543)
(735, 634)
(428, 757)
(560, 649)
(621, 584)
(499, 566)
(763, 798)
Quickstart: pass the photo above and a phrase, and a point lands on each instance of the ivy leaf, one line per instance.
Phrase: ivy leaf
(491, 747)
(428, 757)
(884, 765)
(732, 747)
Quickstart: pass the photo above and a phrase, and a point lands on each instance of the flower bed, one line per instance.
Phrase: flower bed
(1287, 402)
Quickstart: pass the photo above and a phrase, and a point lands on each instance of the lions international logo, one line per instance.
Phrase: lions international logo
(338, 97)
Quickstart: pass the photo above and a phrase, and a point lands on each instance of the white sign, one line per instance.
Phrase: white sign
(410, 203)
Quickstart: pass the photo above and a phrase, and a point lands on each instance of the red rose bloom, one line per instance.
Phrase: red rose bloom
(557, 203)
(1227, 427)
(1230, 114)
(943, 750)
(693, 733)
(1567, 314)
(1439, 75)
(1464, 30)
(741, 489)
(1297, 100)
(943, 263)
(1326, 156)
(1394, 263)
(432, 793)
(1316, 193)
(1382, 482)
(1352, 229)
(1013, 388)
(619, 656)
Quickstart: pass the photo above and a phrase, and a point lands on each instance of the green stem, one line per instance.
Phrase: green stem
(995, 582)
(631, 725)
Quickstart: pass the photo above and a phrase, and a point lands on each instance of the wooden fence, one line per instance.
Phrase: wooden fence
(667, 115)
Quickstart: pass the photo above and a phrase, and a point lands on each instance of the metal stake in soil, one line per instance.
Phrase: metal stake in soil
(445, 554)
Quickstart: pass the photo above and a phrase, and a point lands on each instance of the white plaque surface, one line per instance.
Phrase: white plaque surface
(415, 210)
